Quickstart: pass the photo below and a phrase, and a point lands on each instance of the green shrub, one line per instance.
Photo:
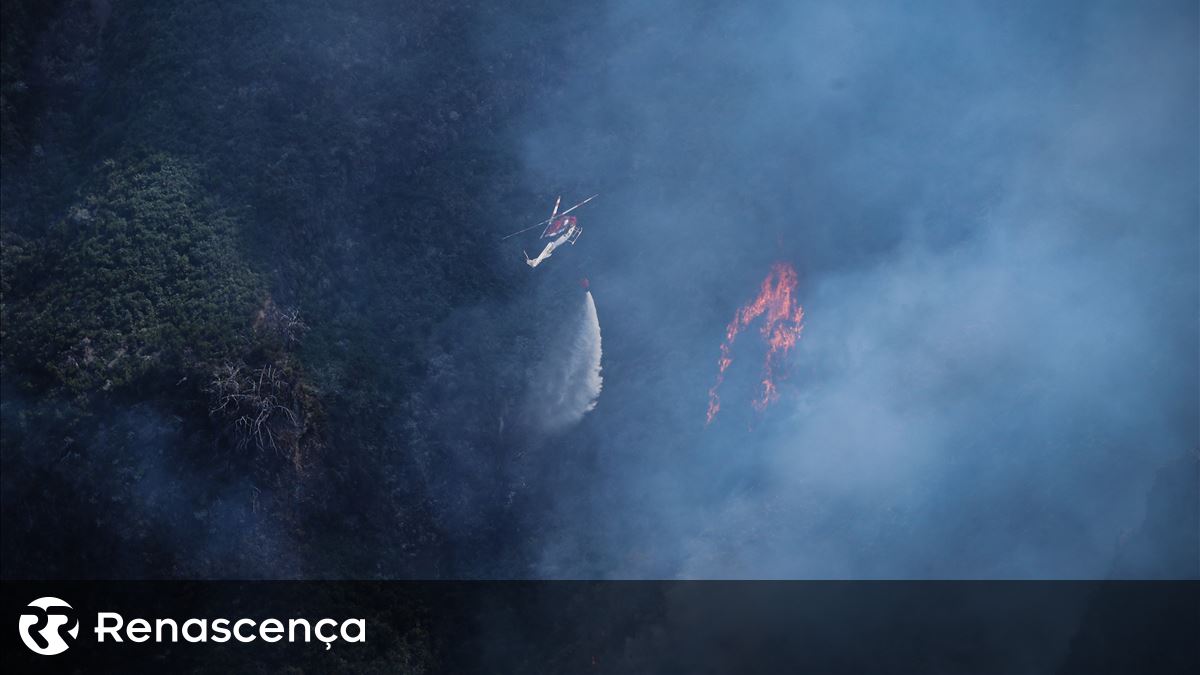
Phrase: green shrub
(142, 277)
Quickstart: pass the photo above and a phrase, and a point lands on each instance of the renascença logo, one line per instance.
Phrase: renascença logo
(42, 628)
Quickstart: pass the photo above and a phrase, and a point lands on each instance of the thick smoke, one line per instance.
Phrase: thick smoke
(567, 384)
(991, 210)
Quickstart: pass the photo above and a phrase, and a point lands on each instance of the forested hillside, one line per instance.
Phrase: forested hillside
(229, 232)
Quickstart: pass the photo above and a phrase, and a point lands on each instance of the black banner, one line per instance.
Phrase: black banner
(603, 627)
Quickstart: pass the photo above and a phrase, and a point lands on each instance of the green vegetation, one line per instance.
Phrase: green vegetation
(235, 239)
(142, 278)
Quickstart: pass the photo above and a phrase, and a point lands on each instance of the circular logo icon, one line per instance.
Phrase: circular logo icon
(44, 624)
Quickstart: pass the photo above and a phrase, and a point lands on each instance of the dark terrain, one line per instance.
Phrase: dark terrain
(194, 190)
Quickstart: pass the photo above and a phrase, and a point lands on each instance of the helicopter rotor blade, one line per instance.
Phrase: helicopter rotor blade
(579, 204)
(508, 236)
(551, 218)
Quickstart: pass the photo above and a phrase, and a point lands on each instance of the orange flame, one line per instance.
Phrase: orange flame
(781, 330)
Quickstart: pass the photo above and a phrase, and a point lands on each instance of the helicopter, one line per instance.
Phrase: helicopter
(561, 228)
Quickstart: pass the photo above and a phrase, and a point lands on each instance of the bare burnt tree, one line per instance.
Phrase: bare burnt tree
(284, 324)
(258, 402)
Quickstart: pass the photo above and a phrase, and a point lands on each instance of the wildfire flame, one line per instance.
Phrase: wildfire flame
(781, 330)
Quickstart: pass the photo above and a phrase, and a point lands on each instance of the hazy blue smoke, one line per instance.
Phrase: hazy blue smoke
(992, 211)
